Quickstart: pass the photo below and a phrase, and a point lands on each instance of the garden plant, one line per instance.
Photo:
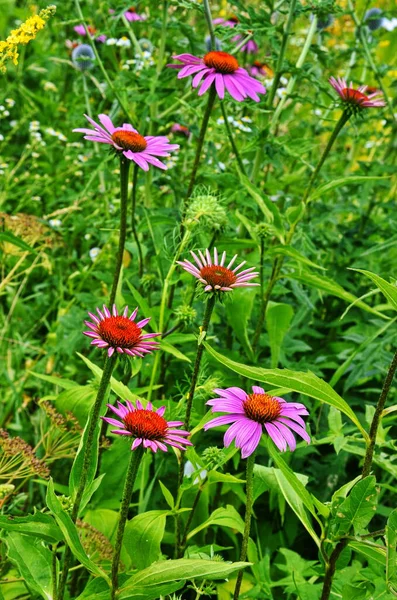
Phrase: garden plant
(198, 299)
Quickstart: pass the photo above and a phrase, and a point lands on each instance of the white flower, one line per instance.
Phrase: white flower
(50, 87)
(389, 24)
(124, 42)
(34, 125)
(13, 123)
(10, 102)
(94, 253)
(190, 468)
(1, 137)
(55, 222)
(111, 42)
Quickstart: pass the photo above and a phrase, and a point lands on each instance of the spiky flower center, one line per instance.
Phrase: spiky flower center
(353, 96)
(216, 275)
(120, 332)
(146, 424)
(261, 408)
(129, 140)
(222, 62)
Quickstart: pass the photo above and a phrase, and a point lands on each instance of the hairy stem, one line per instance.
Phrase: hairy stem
(133, 221)
(124, 170)
(132, 471)
(247, 523)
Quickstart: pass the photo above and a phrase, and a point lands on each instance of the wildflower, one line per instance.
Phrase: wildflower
(48, 86)
(147, 426)
(181, 130)
(10, 102)
(191, 468)
(123, 42)
(17, 459)
(356, 99)
(142, 150)
(215, 276)
(251, 47)
(250, 413)
(132, 15)
(111, 41)
(55, 222)
(373, 19)
(221, 69)
(83, 57)
(259, 68)
(22, 36)
(324, 20)
(80, 30)
(229, 22)
(94, 253)
(389, 24)
(120, 333)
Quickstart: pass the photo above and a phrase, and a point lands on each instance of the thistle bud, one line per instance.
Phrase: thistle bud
(83, 57)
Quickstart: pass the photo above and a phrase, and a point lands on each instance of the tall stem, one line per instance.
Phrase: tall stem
(231, 139)
(247, 523)
(280, 59)
(369, 454)
(338, 127)
(94, 416)
(133, 466)
(200, 142)
(133, 221)
(208, 18)
(196, 370)
(124, 170)
(190, 398)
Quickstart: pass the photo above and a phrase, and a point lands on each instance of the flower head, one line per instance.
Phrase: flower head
(132, 15)
(126, 140)
(147, 426)
(215, 276)
(356, 99)
(259, 68)
(120, 333)
(222, 70)
(229, 22)
(252, 414)
(80, 30)
(181, 130)
(83, 57)
(251, 47)
(373, 18)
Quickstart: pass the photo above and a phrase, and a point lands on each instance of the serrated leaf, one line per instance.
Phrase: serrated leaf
(39, 525)
(296, 381)
(34, 562)
(70, 533)
(359, 507)
(268, 208)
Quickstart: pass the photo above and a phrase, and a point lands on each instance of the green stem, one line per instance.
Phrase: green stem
(293, 79)
(280, 60)
(331, 564)
(200, 142)
(231, 139)
(196, 370)
(94, 416)
(124, 170)
(135, 459)
(338, 127)
(247, 523)
(369, 454)
(208, 18)
(132, 35)
(99, 61)
(190, 398)
(133, 221)
(189, 522)
(163, 305)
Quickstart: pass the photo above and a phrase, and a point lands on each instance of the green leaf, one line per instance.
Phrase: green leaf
(167, 347)
(144, 306)
(77, 466)
(34, 562)
(67, 384)
(371, 553)
(387, 289)
(296, 381)
(327, 187)
(278, 320)
(331, 287)
(269, 209)
(238, 313)
(78, 400)
(70, 533)
(142, 537)
(295, 493)
(39, 525)
(391, 555)
(225, 517)
(170, 575)
(292, 253)
(167, 495)
(358, 508)
(10, 238)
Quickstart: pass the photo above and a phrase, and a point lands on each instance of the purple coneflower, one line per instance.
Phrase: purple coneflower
(221, 69)
(147, 426)
(356, 98)
(120, 333)
(132, 15)
(251, 47)
(80, 29)
(250, 413)
(180, 130)
(215, 276)
(259, 68)
(142, 150)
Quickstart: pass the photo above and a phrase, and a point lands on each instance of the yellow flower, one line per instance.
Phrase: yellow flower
(22, 36)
